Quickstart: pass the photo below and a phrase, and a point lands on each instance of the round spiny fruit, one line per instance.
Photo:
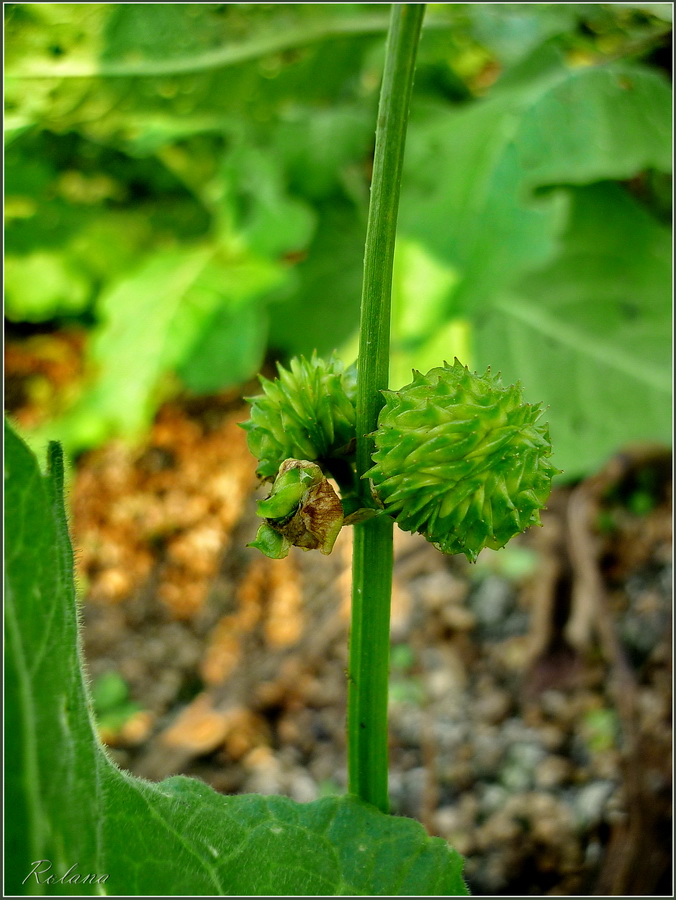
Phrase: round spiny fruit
(308, 412)
(460, 459)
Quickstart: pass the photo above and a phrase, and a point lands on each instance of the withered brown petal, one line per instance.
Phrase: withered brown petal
(317, 521)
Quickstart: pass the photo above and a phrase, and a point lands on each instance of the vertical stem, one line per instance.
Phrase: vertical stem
(372, 559)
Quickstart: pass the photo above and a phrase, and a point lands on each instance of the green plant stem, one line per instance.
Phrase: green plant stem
(372, 559)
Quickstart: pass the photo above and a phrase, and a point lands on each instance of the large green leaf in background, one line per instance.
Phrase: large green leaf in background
(470, 175)
(513, 30)
(597, 347)
(474, 201)
(68, 804)
(159, 318)
(44, 284)
(110, 65)
(323, 309)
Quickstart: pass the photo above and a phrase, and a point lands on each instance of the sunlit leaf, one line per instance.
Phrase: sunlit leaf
(590, 333)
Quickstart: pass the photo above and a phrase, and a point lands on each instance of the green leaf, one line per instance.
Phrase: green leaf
(322, 310)
(218, 337)
(469, 178)
(512, 30)
(270, 542)
(664, 11)
(229, 349)
(129, 355)
(420, 327)
(597, 123)
(321, 149)
(268, 219)
(51, 751)
(589, 334)
(194, 841)
(180, 311)
(42, 285)
(75, 222)
(537, 277)
(101, 68)
(67, 804)
(109, 691)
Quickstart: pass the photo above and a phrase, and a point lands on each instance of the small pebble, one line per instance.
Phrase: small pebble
(552, 772)
(493, 706)
(590, 800)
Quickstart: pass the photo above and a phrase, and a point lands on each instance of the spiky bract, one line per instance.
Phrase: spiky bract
(308, 412)
(460, 459)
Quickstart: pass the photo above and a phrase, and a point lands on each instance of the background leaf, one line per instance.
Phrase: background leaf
(321, 310)
(477, 212)
(47, 284)
(543, 286)
(598, 349)
(219, 335)
(194, 302)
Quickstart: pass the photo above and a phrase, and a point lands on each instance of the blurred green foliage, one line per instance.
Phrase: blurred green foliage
(191, 182)
(112, 707)
(405, 687)
(599, 729)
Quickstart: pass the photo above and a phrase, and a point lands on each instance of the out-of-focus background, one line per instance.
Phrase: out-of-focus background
(186, 191)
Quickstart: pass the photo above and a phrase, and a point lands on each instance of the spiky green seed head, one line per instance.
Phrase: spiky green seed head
(460, 459)
(308, 412)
